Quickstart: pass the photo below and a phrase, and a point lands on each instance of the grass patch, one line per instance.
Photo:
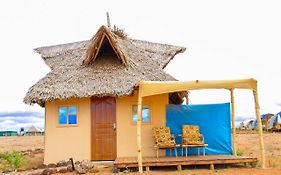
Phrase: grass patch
(13, 159)
(240, 152)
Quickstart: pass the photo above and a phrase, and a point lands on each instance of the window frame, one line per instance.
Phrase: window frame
(142, 122)
(67, 115)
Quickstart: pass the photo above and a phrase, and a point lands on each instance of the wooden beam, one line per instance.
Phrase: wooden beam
(257, 107)
(139, 133)
(234, 149)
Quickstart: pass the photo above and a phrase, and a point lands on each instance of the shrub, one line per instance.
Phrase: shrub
(240, 152)
(14, 159)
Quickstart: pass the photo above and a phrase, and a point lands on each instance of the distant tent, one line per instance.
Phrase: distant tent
(250, 124)
(277, 121)
(273, 122)
(247, 124)
(34, 131)
(264, 120)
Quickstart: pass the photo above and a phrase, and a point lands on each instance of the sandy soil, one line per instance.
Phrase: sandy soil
(246, 143)
(21, 143)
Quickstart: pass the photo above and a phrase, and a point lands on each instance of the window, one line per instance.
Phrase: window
(67, 115)
(145, 113)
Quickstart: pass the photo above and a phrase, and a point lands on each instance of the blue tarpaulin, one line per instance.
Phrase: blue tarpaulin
(213, 120)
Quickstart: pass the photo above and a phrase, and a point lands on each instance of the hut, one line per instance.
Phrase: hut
(8, 133)
(34, 131)
(103, 96)
(90, 95)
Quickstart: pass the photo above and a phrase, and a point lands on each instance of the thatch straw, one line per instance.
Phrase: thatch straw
(102, 75)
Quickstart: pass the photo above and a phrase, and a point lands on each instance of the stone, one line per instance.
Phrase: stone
(52, 165)
(115, 171)
(46, 171)
(84, 166)
(53, 171)
(80, 170)
(61, 163)
(69, 162)
(69, 168)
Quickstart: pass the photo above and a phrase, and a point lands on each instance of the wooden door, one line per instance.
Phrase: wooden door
(103, 114)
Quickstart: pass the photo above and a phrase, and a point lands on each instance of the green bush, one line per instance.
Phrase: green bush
(14, 159)
(240, 152)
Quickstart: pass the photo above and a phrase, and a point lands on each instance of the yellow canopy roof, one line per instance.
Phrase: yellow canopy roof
(147, 88)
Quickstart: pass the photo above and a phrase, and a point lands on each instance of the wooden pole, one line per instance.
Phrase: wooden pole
(108, 20)
(139, 133)
(186, 98)
(234, 149)
(262, 149)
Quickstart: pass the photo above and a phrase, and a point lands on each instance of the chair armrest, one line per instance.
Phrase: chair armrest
(173, 136)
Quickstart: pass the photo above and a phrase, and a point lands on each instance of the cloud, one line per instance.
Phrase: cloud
(21, 119)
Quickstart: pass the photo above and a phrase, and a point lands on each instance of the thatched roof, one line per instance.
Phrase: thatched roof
(33, 129)
(106, 65)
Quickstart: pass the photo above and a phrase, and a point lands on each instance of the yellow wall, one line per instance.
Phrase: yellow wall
(127, 131)
(62, 142)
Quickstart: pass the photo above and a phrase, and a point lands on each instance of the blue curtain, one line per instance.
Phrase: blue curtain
(214, 123)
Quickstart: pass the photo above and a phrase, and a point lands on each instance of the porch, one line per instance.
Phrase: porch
(132, 162)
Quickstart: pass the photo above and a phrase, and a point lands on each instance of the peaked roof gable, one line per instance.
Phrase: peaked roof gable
(96, 45)
(71, 77)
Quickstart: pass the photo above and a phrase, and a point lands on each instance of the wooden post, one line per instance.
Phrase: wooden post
(108, 20)
(186, 98)
(234, 150)
(139, 133)
(257, 107)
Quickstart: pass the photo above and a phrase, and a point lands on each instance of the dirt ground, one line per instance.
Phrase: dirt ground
(21, 143)
(247, 145)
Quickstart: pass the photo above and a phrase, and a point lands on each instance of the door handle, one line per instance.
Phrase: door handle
(114, 126)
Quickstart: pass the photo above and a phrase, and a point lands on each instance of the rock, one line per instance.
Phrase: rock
(61, 163)
(115, 171)
(53, 171)
(69, 162)
(52, 165)
(84, 166)
(77, 163)
(63, 170)
(69, 168)
(80, 170)
(46, 171)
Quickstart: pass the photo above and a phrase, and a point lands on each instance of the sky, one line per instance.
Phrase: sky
(224, 40)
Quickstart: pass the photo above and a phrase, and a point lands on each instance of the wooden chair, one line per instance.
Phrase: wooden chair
(163, 139)
(191, 137)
